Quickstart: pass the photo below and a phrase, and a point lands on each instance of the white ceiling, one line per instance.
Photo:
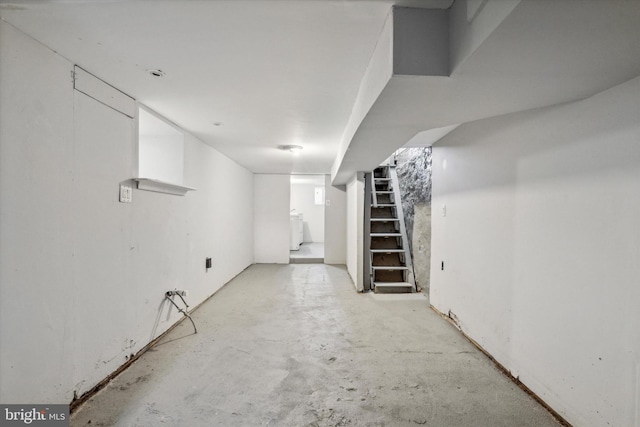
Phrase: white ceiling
(276, 72)
(317, 180)
(270, 72)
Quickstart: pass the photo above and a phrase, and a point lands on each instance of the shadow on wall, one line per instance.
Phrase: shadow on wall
(154, 330)
(422, 245)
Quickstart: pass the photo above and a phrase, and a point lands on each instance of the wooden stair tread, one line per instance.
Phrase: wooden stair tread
(392, 287)
(394, 284)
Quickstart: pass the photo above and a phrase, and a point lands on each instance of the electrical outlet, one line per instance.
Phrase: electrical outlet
(177, 292)
(126, 193)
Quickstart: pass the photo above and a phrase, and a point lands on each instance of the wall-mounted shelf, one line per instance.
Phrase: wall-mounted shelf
(162, 187)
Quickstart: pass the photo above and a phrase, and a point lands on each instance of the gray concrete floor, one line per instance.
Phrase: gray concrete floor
(295, 345)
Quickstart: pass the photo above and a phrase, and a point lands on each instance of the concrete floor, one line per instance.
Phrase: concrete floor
(295, 345)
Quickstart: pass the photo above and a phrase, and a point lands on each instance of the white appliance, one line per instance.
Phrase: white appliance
(295, 231)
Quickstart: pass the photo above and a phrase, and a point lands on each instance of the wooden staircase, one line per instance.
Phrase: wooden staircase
(391, 270)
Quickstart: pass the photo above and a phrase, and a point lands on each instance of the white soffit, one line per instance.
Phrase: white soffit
(429, 137)
(542, 53)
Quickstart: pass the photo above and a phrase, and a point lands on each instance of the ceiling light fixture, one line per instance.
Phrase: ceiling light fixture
(156, 73)
(291, 148)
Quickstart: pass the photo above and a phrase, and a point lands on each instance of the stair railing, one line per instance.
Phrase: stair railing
(405, 241)
(366, 259)
(374, 196)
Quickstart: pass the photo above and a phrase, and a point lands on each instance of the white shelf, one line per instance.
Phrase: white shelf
(162, 187)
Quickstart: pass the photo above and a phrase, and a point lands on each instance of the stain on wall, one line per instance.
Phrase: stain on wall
(422, 245)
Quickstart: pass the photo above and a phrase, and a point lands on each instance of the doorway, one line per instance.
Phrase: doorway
(306, 219)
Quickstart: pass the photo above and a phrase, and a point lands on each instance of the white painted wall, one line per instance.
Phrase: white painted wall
(82, 276)
(160, 149)
(303, 201)
(541, 244)
(420, 42)
(271, 218)
(375, 79)
(355, 230)
(335, 223)
(471, 22)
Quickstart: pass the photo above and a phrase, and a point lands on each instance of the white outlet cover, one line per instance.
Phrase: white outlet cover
(125, 194)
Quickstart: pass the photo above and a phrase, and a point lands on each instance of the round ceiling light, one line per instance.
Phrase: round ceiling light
(156, 73)
(290, 148)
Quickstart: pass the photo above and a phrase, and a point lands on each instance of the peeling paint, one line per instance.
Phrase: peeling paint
(454, 319)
